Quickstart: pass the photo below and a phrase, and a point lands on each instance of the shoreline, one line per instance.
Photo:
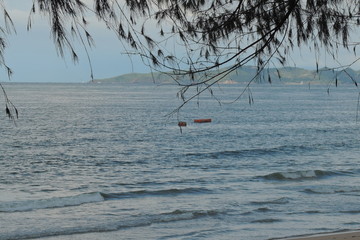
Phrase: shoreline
(343, 235)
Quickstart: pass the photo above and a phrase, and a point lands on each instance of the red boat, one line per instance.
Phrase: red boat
(204, 120)
(182, 124)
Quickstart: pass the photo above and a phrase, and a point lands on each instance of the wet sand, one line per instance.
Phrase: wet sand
(354, 235)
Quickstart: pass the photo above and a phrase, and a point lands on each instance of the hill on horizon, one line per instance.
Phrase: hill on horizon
(283, 75)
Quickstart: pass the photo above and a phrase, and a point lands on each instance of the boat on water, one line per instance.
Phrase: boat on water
(203, 120)
(182, 124)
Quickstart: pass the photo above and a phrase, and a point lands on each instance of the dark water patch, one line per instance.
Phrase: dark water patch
(352, 223)
(266, 220)
(145, 183)
(312, 212)
(48, 190)
(357, 211)
(253, 152)
(332, 190)
(263, 209)
(196, 213)
(79, 188)
(147, 193)
(56, 202)
(113, 163)
(258, 210)
(273, 151)
(317, 191)
(309, 212)
(283, 200)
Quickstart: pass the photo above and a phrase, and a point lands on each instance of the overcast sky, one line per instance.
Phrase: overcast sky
(33, 57)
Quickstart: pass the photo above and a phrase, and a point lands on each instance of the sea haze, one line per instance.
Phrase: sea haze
(105, 161)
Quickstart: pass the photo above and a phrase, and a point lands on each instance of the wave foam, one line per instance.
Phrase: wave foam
(134, 221)
(298, 175)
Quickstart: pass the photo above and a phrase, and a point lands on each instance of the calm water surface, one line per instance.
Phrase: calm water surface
(102, 160)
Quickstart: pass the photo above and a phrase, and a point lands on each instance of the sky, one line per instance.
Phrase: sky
(33, 56)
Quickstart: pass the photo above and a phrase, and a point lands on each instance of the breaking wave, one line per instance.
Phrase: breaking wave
(127, 222)
(165, 192)
(58, 202)
(299, 175)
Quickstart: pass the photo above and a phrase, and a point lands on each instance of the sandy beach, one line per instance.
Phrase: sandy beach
(354, 235)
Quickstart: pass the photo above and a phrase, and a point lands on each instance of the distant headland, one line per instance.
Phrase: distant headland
(283, 75)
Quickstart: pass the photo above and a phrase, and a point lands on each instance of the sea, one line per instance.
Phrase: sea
(109, 161)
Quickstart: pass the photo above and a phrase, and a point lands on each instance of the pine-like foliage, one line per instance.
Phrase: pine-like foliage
(195, 36)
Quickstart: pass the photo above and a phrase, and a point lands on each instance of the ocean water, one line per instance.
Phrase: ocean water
(98, 161)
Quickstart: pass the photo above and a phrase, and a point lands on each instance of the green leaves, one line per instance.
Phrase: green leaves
(10, 109)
